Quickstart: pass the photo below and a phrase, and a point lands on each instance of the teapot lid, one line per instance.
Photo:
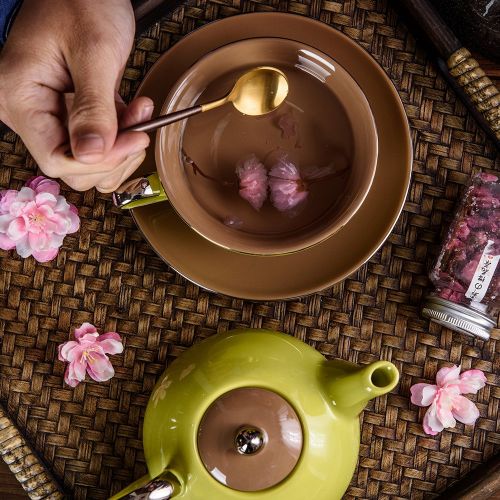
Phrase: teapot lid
(250, 439)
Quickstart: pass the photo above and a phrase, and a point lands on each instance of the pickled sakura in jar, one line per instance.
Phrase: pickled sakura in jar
(466, 274)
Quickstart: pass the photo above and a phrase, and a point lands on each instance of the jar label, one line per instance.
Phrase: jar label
(484, 274)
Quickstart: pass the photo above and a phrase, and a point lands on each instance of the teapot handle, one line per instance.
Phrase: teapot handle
(139, 192)
(162, 487)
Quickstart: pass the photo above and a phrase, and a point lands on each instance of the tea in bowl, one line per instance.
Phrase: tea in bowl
(270, 184)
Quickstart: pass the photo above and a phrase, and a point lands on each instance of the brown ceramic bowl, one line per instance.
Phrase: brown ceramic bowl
(325, 125)
(320, 266)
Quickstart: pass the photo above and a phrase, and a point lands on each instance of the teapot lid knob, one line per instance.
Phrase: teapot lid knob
(249, 440)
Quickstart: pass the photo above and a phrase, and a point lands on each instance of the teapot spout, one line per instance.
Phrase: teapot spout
(352, 389)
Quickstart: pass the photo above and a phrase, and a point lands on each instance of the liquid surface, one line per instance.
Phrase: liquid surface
(311, 129)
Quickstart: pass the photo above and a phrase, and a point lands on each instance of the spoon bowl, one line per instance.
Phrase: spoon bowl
(257, 92)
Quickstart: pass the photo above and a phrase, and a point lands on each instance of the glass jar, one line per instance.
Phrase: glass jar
(466, 274)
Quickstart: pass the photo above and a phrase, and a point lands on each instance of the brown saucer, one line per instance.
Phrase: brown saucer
(316, 268)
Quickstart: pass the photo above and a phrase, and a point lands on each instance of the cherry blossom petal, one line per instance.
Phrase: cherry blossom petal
(487, 177)
(46, 199)
(74, 219)
(45, 209)
(447, 375)
(45, 255)
(111, 343)
(471, 381)
(58, 225)
(6, 243)
(39, 242)
(7, 197)
(288, 125)
(25, 195)
(70, 377)
(287, 188)
(42, 184)
(18, 208)
(17, 229)
(69, 351)
(464, 410)
(99, 367)
(285, 195)
(444, 405)
(423, 394)
(56, 240)
(62, 205)
(252, 181)
(23, 247)
(285, 169)
(85, 329)
(75, 372)
(5, 221)
(432, 425)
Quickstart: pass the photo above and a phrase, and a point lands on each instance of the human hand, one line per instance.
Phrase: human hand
(60, 47)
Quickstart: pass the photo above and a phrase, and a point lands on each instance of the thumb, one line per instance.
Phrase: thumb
(92, 119)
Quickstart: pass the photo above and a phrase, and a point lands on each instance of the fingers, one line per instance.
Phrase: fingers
(138, 111)
(106, 183)
(125, 157)
(37, 119)
(113, 183)
(93, 122)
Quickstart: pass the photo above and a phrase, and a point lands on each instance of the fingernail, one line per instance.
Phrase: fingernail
(146, 112)
(89, 145)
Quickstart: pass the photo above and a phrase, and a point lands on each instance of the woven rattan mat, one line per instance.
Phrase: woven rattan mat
(90, 436)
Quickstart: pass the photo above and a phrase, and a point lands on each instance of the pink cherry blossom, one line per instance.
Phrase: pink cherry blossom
(36, 219)
(253, 181)
(288, 125)
(445, 400)
(287, 187)
(87, 354)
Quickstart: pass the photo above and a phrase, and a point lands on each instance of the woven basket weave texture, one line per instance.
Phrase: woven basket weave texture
(90, 436)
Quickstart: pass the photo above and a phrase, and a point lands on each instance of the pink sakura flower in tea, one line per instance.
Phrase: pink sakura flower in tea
(36, 219)
(88, 354)
(445, 400)
(288, 125)
(253, 181)
(287, 187)
(486, 177)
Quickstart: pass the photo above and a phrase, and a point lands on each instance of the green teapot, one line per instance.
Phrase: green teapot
(255, 414)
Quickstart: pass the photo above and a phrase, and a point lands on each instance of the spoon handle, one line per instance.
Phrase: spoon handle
(163, 120)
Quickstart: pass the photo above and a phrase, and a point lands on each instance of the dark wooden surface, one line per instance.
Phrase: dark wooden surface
(431, 23)
(10, 489)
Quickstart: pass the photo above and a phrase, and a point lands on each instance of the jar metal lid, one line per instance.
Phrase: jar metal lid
(458, 317)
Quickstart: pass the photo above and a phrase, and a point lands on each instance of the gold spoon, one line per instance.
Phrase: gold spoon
(256, 92)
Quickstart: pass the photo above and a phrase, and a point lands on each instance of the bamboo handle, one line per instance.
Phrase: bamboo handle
(479, 88)
(24, 464)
